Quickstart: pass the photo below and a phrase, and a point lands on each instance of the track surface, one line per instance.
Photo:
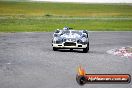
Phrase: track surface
(27, 60)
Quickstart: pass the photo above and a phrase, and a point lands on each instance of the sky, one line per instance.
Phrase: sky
(91, 1)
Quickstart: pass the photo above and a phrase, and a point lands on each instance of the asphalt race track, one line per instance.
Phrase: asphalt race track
(28, 61)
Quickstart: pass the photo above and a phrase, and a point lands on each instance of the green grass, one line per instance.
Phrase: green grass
(65, 9)
(21, 25)
(31, 16)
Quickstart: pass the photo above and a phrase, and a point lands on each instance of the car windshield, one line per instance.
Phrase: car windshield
(76, 32)
(66, 32)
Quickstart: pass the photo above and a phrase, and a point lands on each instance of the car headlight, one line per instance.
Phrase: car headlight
(57, 40)
(79, 41)
(83, 39)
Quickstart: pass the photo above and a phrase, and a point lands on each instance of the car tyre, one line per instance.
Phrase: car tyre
(55, 49)
(85, 50)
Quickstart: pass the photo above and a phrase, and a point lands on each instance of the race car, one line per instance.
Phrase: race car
(67, 38)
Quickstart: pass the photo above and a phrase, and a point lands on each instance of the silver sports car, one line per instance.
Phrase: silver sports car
(67, 38)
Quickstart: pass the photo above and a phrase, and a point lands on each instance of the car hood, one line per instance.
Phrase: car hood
(76, 36)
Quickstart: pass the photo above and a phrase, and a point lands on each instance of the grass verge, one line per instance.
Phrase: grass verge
(33, 16)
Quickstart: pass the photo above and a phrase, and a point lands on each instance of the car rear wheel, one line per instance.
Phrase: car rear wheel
(55, 49)
(85, 50)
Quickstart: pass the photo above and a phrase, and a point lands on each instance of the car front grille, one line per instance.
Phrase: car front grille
(69, 40)
(69, 44)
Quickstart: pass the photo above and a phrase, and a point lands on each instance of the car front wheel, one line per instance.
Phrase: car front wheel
(55, 49)
(85, 50)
